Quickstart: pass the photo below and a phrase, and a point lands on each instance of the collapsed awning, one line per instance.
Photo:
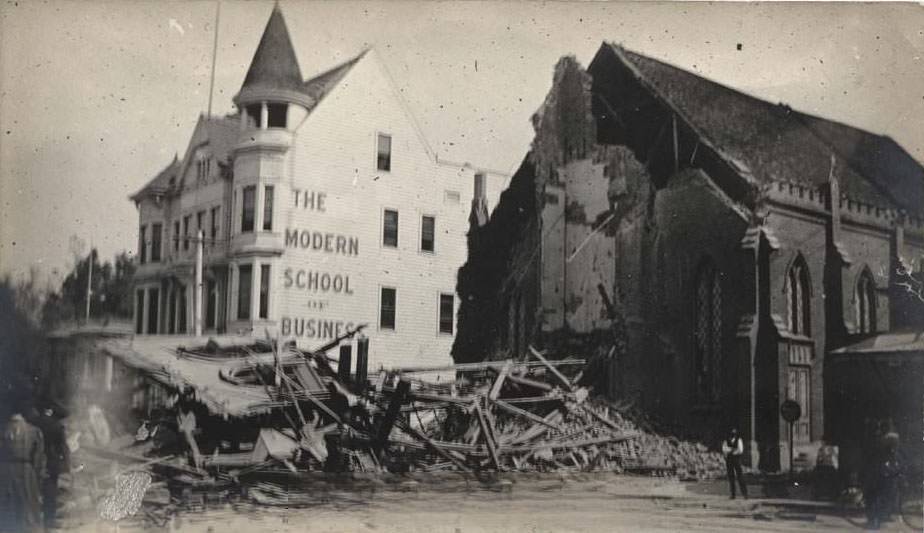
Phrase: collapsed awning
(160, 358)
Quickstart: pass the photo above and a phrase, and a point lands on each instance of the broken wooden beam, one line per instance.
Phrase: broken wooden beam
(488, 432)
(526, 414)
(564, 381)
(394, 408)
(499, 382)
(530, 383)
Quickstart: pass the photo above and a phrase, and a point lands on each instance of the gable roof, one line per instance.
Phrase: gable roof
(161, 183)
(779, 143)
(274, 65)
(319, 86)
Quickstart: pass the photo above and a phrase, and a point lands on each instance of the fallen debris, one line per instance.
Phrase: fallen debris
(301, 411)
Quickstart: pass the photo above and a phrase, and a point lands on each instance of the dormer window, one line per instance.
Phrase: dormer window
(203, 167)
(276, 115)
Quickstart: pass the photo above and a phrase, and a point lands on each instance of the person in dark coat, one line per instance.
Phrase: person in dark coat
(733, 448)
(22, 468)
(57, 458)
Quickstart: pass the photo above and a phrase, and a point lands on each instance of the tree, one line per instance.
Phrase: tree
(110, 290)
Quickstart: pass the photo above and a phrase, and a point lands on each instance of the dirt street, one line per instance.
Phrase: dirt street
(617, 504)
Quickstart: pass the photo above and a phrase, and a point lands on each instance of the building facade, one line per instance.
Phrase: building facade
(721, 245)
(322, 209)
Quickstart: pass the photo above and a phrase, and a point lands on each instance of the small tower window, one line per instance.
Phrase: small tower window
(252, 113)
(277, 115)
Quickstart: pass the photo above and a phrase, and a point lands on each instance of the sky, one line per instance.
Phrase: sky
(97, 97)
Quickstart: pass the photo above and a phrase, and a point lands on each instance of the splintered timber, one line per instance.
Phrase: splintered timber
(331, 243)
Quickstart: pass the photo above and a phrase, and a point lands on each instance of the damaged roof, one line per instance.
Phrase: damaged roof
(780, 144)
(157, 356)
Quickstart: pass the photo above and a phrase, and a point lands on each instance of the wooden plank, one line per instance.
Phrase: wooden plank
(486, 430)
(572, 443)
(433, 446)
(600, 417)
(530, 383)
(526, 414)
(564, 381)
(499, 382)
(537, 429)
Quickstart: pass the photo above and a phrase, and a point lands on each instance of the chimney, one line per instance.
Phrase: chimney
(479, 214)
(479, 186)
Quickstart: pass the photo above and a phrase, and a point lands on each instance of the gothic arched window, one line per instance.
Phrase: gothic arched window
(866, 303)
(799, 298)
(708, 333)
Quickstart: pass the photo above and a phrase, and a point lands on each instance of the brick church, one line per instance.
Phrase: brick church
(732, 252)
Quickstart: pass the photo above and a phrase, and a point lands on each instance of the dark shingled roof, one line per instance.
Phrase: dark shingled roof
(318, 86)
(274, 65)
(162, 182)
(776, 142)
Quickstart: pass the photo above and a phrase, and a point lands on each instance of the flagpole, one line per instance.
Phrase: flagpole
(214, 56)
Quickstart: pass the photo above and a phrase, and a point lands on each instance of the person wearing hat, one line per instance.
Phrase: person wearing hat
(22, 467)
(57, 457)
(733, 448)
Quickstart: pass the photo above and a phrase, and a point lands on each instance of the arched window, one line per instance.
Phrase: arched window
(708, 333)
(866, 303)
(799, 298)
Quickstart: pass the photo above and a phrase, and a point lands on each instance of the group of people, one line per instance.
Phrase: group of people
(33, 454)
(880, 472)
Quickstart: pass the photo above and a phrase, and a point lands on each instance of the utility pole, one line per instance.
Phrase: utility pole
(89, 282)
(197, 294)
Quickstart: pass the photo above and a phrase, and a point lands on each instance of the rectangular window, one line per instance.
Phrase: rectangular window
(268, 208)
(152, 311)
(427, 233)
(139, 311)
(447, 303)
(157, 230)
(200, 222)
(390, 229)
(244, 273)
(247, 208)
(276, 115)
(387, 308)
(176, 236)
(215, 222)
(181, 309)
(264, 290)
(143, 244)
(186, 220)
(383, 161)
(211, 304)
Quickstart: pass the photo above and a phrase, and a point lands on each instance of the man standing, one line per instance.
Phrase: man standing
(57, 458)
(22, 466)
(733, 448)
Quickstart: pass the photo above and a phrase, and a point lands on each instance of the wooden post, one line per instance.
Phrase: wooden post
(394, 408)
(346, 361)
(362, 362)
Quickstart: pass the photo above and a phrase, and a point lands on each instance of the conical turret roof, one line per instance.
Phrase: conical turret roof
(274, 65)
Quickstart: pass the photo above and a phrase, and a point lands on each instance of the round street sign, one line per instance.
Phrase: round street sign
(790, 410)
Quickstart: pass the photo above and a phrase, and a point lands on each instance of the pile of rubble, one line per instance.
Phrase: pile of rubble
(302, 411)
